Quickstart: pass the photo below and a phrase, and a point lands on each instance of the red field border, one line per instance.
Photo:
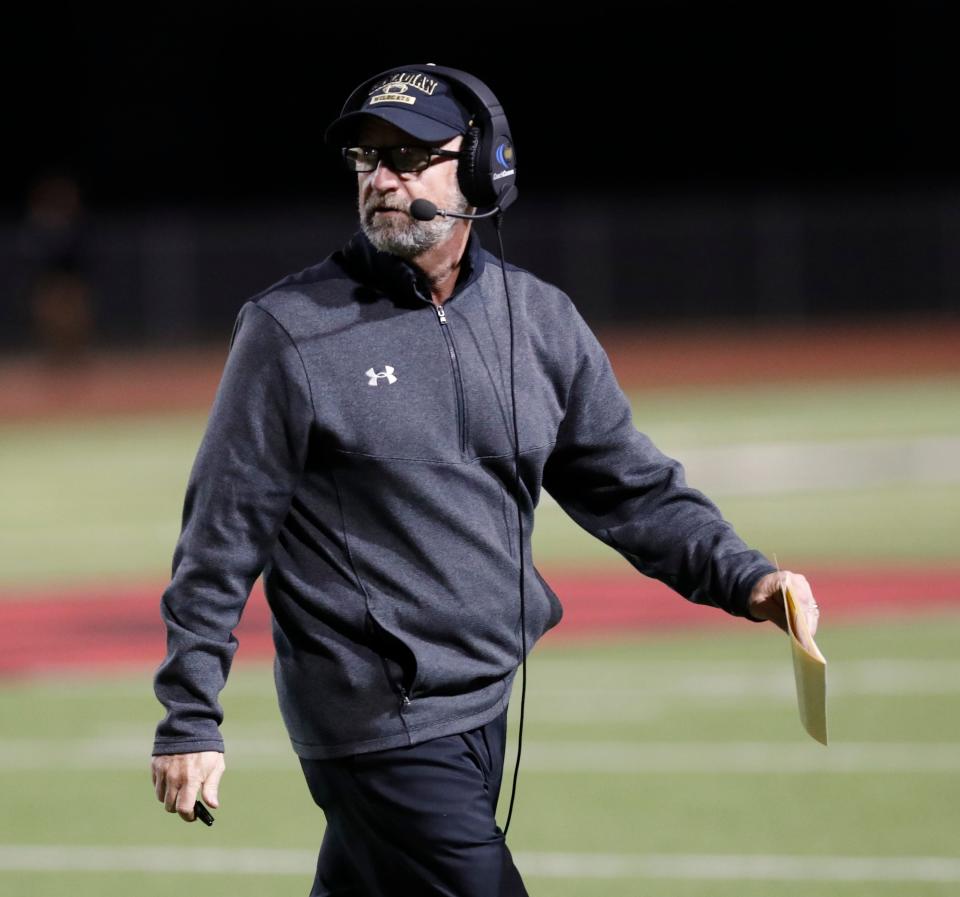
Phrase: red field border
(102, 627)
(156, 381)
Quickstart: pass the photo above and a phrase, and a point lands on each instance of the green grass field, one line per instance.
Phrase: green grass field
(683, 745)
(102, 499)
(665, 766)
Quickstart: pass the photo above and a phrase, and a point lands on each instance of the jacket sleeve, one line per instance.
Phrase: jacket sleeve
(614, 482)
(238, 494)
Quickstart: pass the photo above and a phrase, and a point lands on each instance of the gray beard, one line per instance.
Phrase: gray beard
(404, 235)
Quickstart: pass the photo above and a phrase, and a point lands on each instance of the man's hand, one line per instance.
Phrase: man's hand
(766, 599)
(178, 777)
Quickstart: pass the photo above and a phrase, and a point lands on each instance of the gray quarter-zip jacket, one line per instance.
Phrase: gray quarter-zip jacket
(359, 453)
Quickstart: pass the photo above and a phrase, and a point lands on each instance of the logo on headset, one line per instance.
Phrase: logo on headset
(504, 157)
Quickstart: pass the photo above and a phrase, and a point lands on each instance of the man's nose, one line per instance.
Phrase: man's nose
(384, 177)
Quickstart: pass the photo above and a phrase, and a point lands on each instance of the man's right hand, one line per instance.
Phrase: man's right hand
(178, 777)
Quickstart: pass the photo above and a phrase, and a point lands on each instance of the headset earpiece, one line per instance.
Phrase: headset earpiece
(469, 170)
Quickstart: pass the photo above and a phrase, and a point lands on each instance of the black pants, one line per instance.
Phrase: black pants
(415, 821)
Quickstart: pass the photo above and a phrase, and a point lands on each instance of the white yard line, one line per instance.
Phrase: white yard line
(799, 757)
(743, 679)
(261, 861)
(760, 468)
(733, 680)
(739, 868)
(242, 861)
(608, 700)
(748, 758)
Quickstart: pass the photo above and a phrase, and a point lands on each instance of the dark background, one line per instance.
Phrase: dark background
(678, 162)
(219, 106)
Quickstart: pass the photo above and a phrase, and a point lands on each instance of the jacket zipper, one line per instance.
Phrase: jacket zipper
(375, 630)
(458, 382)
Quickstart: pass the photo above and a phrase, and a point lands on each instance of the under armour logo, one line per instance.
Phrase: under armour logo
(386, 373)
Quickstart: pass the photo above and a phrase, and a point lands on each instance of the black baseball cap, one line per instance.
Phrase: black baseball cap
(412, 99)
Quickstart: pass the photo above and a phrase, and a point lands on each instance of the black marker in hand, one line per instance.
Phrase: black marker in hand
(202, 813)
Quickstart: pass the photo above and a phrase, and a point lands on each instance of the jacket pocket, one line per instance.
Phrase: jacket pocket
(556, 607)
(399, 661)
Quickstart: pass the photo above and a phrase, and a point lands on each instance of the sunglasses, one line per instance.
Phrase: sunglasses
(396, 158)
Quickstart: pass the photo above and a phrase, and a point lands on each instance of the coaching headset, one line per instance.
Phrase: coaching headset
(487, 167)
(487, 174)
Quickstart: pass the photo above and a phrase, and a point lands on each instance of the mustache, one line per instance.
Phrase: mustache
(376, 203)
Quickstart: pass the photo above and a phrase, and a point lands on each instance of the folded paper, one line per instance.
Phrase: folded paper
(809, 671)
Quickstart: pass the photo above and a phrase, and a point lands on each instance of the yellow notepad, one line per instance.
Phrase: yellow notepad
(809, 671)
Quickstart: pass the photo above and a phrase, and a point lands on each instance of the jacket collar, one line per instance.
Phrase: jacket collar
(400, 279)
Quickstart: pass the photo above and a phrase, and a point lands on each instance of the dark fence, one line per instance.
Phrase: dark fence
(176, 277)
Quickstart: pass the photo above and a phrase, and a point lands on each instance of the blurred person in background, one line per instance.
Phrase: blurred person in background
(59, 294)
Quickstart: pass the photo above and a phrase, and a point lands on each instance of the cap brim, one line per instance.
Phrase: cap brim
(343, 131)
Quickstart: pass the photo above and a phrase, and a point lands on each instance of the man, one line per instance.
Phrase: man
(360, 453)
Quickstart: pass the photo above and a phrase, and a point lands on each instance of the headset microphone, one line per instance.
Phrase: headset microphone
(424, 210)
